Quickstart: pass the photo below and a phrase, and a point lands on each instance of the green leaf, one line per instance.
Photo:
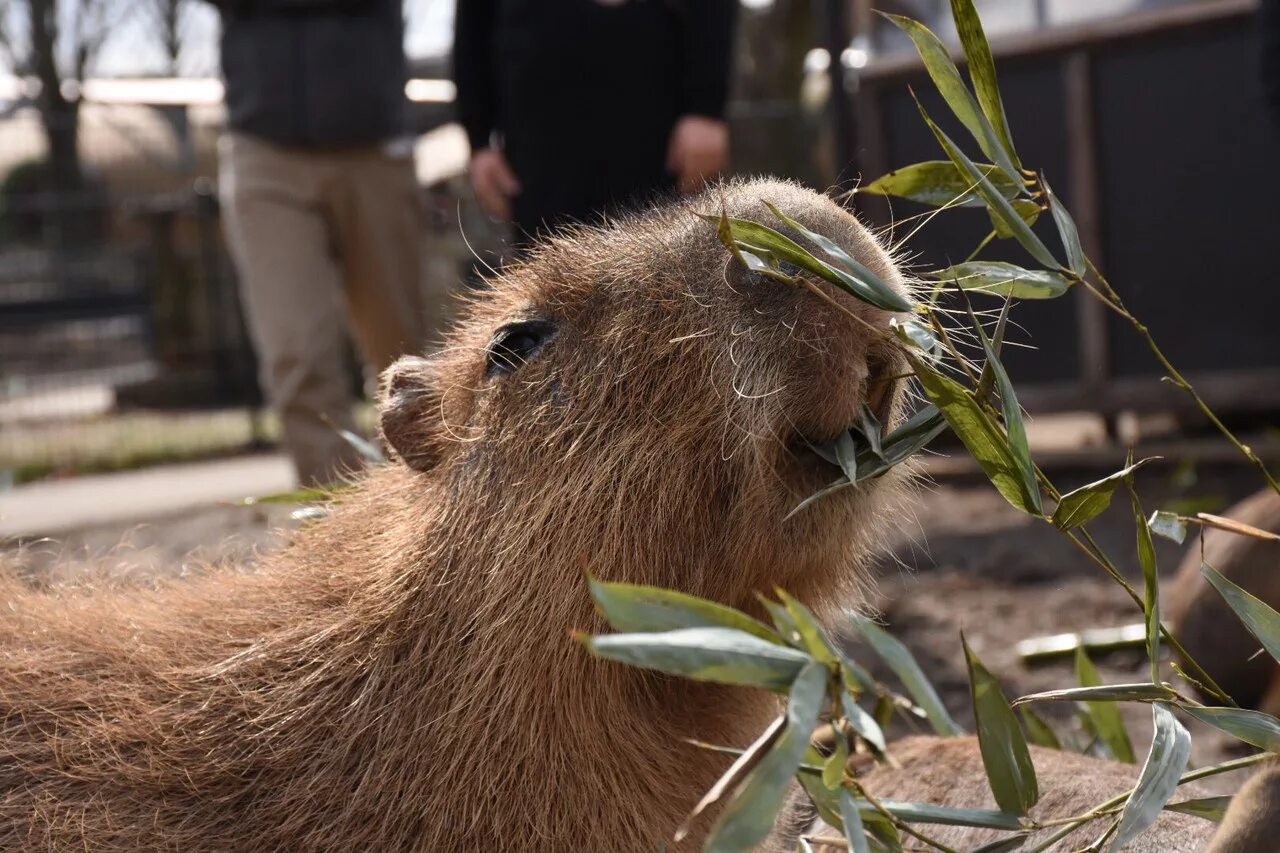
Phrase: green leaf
(1255, 727)
(1067, 231)
(998, 278)
(1015, 427)
(854, 834)
(885, 296)
(822, 797)
(1141, 691)
(364, 447)
(742, 765)
(863, 723)
(833, 767)
(1038, 731)
(903, 663)
(1170, 750)
(637, 608)
(750, 816)
(815, 639)
(1261, 620)
(860, 282)
(999, 206)
(1010, 773)
(914, 333)
(1170, 525)
(846, 452)
(1004, 845)
(928, 813)
(1103, 718)
(982, 71)
(1209, 808)
(722, 655)
(1151, 596)
(945, 76)
(1088, 502)
(783, 622)
(940, 183)
(1028, 211)
(985, 440)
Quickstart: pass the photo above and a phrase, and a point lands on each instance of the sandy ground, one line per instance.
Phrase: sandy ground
(967, 562)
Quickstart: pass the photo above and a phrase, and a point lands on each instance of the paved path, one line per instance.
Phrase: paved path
(52, 506)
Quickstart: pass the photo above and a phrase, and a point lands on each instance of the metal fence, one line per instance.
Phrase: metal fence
(120, 330)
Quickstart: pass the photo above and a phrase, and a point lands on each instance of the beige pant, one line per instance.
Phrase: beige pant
(316, 235)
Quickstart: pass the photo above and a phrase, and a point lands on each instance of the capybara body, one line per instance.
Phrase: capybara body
(628, 402)
(1203, 621)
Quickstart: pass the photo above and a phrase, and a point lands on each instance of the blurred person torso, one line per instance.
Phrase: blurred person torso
(314, 73)
(589, 89)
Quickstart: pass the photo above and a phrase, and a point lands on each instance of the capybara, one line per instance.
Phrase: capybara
(1252, 821)
(1207, 627)
(628, 401)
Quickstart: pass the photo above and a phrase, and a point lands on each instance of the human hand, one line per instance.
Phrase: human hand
(698, 151)
(494, 182)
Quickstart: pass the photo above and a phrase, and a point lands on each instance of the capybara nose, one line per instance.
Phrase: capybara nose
(406, 373)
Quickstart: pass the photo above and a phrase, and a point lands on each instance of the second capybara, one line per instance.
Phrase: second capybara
(628, 401)
(1207, 627)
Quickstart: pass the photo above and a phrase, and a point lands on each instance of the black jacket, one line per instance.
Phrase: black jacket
(584, 93)
(314, 73)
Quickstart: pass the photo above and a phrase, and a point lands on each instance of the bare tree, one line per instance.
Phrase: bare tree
(167, 20)
(55, 42)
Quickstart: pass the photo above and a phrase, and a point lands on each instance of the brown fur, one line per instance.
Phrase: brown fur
(1204, 623)
(1252, 821)
(402, 677)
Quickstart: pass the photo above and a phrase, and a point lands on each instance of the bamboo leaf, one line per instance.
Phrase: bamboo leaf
(999, 206)
(815, 638)
(1103, 718)
(854, 835)
(1038, 731)
(863, 723)
(1141, 691)
(1151, 583)
(940, 183)
(945, 76)
(1015, 427)
(1028, 211)
(914, 333)
(722, 655)
(1067, 231)
(737, 771)
(951, 816)
(751, 236)
(636, 608)
(749, 817)
(899, 658)
(1086, 503)
(1255, 727)
(1209, 808)
(833, 767)
(1010, 773)
(1261, 620)
(1169, 525)
(364, 447)
(846, 453)
(985, 440)
(1004, 845)
(998, 278)
(1238, 527)
(982, 71)
(1170, 750)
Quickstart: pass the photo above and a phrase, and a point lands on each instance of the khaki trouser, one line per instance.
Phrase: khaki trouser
(313, 233)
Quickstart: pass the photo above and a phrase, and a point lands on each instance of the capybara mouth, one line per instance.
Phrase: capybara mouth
(813, 456)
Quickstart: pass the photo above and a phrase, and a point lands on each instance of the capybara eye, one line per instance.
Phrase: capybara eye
(516, 343)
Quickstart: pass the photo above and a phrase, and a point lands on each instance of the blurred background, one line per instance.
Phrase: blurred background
(131, 418)
(122, 339)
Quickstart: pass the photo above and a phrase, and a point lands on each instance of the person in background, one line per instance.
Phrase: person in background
(577, 107)
(321, 206)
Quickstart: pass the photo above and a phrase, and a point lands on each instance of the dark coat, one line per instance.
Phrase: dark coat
(584, 93)
(314, 73)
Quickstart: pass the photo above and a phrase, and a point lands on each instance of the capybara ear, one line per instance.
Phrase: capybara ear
(409, 411)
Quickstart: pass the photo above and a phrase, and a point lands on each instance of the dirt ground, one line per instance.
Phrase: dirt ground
(967, 562)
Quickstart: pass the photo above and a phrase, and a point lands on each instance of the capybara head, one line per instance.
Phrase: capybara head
(644, 406)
